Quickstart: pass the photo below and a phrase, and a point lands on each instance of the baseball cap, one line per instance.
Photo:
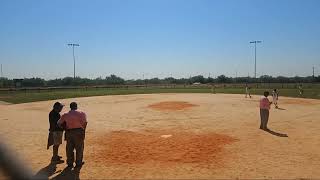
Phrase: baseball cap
(57, 105)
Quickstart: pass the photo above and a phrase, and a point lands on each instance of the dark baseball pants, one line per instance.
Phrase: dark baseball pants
(75, 141)
(264, 116)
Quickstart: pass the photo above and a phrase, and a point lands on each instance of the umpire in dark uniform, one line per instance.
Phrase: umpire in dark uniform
(55, 132)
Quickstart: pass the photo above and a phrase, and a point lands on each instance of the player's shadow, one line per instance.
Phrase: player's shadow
(281, 108)
(47, 171)
(276, 133)
(68, 173)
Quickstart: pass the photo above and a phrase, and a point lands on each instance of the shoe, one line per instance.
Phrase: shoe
(60, 161)
(79, 165)
(57, 160)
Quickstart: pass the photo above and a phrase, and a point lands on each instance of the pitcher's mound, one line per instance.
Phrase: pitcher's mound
(171, 105)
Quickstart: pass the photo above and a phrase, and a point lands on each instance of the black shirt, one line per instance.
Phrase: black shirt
(53, 120)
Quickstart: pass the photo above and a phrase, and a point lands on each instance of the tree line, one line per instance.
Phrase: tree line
(115, 80)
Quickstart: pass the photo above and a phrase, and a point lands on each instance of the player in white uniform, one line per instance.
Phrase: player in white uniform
(275, 97)
(248, 91)
(300, 90)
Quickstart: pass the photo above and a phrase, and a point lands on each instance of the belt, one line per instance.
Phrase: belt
(74, 129)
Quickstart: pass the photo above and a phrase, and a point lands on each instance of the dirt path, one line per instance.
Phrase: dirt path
(177, 136)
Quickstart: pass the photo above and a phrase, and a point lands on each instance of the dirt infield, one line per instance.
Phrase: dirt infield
(171, 105)
(167, 147)
(170, 136)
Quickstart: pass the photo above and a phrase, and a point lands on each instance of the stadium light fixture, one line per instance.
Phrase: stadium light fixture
(255, 56)
(74, 59)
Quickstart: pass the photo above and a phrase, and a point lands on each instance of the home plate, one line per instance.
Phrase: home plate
(166, 136)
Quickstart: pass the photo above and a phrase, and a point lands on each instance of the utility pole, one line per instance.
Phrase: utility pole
(313, 79)
(1, 71)
(236, 76)
(255, 56)
(313, 72)
(74, 59)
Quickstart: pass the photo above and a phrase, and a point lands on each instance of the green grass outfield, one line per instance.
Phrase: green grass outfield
(17, 97)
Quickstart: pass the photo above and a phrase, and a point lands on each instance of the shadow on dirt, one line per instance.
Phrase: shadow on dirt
(65, 174)
(276, 133)
(281, 108)
(47, 171)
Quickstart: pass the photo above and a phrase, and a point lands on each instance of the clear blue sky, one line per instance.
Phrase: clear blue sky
(159, 37)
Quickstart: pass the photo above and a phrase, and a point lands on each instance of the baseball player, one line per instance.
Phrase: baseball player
(300, 90)
(264, 110)
(275, 97)
(248, 91)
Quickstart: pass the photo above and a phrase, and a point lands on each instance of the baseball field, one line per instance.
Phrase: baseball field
(174, 136)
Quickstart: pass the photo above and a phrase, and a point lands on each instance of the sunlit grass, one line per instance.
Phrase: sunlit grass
(32, 96)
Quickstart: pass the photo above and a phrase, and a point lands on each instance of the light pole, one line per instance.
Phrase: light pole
(255, 56)
(1, 72)
(312, 72)
(313, 80)
(74, 59)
